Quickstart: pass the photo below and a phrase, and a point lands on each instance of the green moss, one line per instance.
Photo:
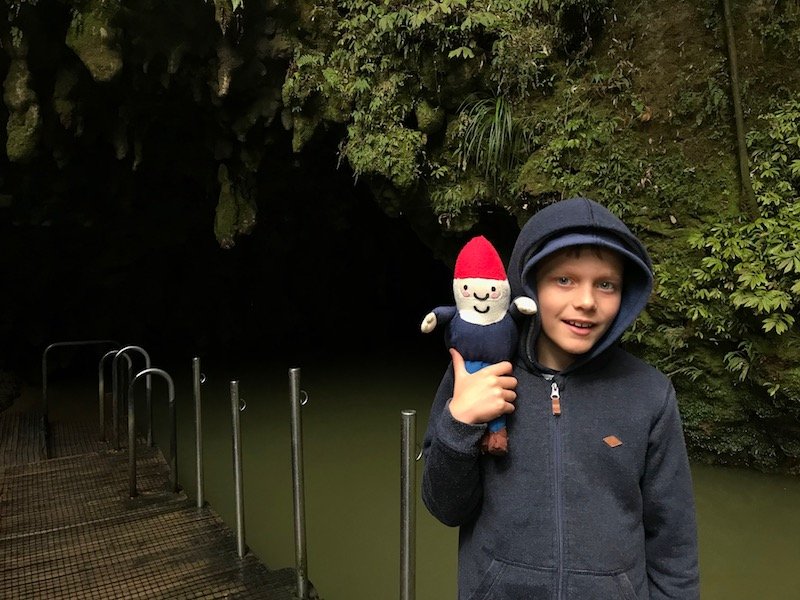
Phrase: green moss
(392, 153)
(92, 35)
(24, 118)
(17, 93)
(430, 119)
(303, 128)
(23, 130)
(235, 213)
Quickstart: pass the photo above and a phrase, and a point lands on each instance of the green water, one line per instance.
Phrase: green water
(749, 523)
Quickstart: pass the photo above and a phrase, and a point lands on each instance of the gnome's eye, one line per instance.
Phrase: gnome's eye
(466, 287)
(494, 289)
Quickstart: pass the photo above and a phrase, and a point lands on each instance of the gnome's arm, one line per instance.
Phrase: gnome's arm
(522, 306)
(441, 315)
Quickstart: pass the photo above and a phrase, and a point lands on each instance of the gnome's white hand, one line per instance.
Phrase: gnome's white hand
(525, 305)
(428, 323)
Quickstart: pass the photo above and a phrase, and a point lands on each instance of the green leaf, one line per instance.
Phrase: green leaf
(461, 52)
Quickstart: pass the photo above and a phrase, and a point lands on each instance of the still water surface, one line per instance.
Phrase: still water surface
(749, 523)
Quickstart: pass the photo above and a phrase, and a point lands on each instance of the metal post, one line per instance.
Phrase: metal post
(198, 429)
(408, 486)
(131, 441)
(301, 560)
(237, 467)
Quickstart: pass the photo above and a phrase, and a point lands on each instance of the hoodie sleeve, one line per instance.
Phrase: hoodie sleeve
(451, 481)
(668, 510)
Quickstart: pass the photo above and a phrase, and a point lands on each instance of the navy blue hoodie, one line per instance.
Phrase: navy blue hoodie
(571, 513)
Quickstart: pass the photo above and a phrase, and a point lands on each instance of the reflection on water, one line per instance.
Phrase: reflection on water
(749, 522)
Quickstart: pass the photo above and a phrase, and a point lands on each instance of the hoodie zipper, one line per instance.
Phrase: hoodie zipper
(555, 403)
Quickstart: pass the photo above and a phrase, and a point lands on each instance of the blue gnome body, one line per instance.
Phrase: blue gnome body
(482, 326)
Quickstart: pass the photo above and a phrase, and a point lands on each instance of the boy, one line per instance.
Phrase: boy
(594, 500)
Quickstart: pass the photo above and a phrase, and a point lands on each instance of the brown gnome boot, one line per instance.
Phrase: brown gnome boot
(498, 442)
(484, 443)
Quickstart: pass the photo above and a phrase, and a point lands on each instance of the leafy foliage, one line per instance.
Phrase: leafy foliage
(747, 282)
(378, 62)
(490, 138)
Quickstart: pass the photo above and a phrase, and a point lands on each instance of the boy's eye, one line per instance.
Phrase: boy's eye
(562, 280)
(608, 286)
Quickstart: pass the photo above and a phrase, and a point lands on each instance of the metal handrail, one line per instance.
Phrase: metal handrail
(101, 391)
(236, 408)
(298, 490)
(115, 394)
(408, 518)
(198, 378)
(173, 438)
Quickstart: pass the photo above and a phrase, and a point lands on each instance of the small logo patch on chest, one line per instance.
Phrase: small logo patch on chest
(612, 441)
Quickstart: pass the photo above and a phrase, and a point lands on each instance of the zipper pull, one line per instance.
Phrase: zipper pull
(555, 398)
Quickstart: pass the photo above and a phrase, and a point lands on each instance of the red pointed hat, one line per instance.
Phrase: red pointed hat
(479, 259)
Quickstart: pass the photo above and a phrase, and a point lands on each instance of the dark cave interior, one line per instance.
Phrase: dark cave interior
(324, 273)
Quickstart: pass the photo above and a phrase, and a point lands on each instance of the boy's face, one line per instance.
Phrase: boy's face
(579, 293)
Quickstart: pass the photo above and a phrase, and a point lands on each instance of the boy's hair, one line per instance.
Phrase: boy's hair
(577, 250)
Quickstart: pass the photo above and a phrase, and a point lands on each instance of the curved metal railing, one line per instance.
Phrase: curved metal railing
(115, 399)
(173, 438)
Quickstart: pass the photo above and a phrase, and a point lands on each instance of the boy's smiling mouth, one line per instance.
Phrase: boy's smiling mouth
(579, 324)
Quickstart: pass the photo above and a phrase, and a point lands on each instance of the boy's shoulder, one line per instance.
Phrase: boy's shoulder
(623, 371)
(634, 366)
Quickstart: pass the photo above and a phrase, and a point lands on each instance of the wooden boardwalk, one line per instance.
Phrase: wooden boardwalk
(69, 530)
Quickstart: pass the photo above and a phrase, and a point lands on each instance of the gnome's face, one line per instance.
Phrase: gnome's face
(481, 301)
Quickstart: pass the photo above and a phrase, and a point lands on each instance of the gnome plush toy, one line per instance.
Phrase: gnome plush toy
(482, 325)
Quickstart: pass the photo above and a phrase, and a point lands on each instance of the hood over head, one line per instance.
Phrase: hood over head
(574, 222)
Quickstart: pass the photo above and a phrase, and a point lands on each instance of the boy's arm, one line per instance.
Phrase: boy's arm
(451, 479)
(668, 510)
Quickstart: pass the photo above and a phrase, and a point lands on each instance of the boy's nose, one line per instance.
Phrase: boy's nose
(584, 297)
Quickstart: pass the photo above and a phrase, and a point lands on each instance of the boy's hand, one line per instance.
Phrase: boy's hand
(482, 396)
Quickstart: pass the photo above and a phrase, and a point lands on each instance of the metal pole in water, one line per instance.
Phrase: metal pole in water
(298, 486)
(408, 518)
(131, 442)
(198, 430)
(237, 467)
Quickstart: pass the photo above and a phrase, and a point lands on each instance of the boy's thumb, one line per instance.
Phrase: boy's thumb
(458, 362)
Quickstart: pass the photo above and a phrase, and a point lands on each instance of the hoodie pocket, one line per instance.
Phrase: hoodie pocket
(511, 581)
(598, 586)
